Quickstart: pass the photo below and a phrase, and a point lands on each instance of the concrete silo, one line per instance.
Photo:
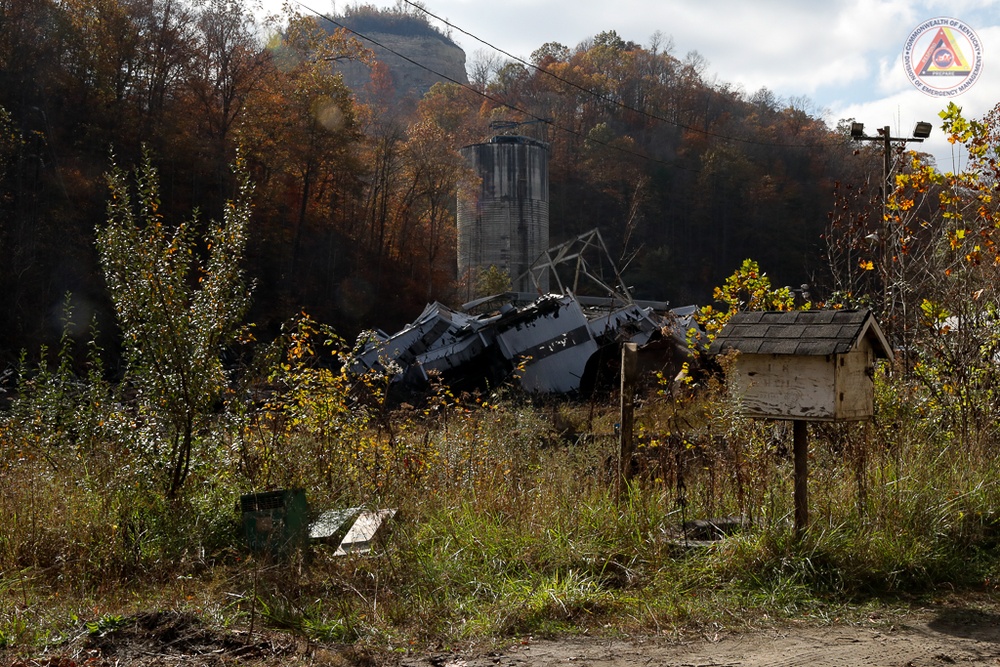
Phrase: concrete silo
(504, 222)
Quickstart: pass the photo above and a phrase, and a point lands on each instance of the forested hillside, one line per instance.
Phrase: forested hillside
(178, 171)
(354, 207)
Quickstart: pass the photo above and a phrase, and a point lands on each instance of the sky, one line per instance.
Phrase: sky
(837, 60)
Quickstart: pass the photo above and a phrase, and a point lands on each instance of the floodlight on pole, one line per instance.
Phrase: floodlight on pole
(893, 283)
(921, 131)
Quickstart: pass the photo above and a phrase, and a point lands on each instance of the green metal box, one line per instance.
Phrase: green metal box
(275, 522)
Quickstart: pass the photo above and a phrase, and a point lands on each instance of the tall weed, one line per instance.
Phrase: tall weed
(508, 522)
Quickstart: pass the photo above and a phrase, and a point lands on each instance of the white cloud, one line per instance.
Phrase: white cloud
(844, 56)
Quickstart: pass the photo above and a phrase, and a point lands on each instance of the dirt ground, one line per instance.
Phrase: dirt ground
(950, 634)
(923, 640)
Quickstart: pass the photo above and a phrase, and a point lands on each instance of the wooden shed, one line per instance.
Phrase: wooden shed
(810, 365)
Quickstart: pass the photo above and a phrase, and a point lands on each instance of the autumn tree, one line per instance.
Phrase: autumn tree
(435, 169)
(748, 288)
(322, 124)
(107, 56)
(11, 145)
(177, 313)
(941, 231)
(228, 63)
(32, 45)
(301, 134)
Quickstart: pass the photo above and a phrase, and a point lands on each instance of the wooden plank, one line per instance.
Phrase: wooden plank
(362, 532)
(855, 386)
(785, 387)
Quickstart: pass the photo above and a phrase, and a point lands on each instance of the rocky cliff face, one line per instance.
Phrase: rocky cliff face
(441, 60)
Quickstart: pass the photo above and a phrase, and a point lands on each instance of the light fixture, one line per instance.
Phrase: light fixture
(883, 136)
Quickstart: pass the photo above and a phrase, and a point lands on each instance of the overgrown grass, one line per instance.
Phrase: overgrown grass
(508, 521)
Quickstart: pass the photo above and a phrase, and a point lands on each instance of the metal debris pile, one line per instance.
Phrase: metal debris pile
(553, 344)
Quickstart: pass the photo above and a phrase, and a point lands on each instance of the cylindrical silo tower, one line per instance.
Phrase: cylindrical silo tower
(505, 221)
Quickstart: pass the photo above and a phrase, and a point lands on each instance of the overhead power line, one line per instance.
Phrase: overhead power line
(610, 100)
(492, 98)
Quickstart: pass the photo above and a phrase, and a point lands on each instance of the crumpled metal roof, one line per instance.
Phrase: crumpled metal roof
(551, 340)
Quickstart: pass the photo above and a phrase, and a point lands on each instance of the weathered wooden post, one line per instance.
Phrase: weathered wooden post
(804, 365)
(630, 367)
(800, 453)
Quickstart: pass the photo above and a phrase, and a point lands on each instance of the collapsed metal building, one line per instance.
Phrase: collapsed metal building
(552, 343)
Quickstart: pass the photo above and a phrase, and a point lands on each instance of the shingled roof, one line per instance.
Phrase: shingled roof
(800, 332)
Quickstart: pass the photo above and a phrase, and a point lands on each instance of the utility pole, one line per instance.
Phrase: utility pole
(891, 237)
(921, 131)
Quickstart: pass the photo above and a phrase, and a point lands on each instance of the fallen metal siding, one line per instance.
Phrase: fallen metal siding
(555, 344)
(551, 340)
(631, 322)
(449, 357)
(403, 348)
